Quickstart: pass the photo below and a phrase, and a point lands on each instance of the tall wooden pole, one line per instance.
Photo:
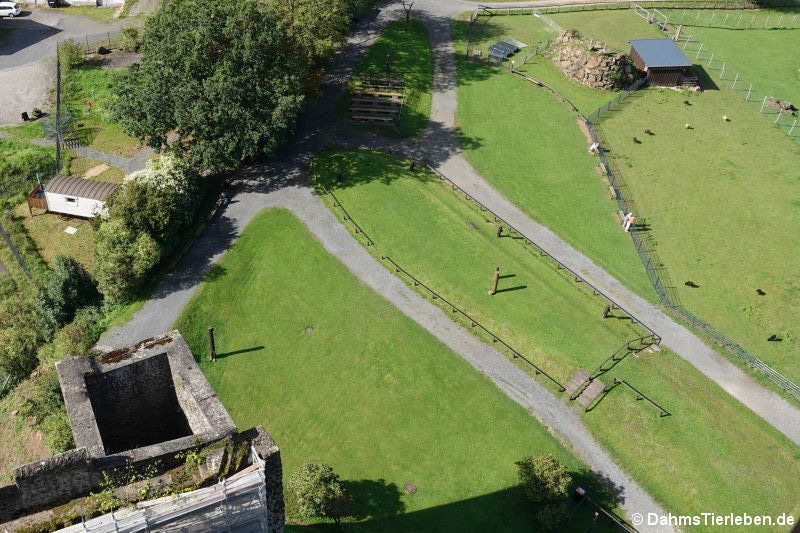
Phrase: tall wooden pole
(212, 348)
(495, 279)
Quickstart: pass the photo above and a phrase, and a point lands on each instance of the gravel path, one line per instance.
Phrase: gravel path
(281, 185)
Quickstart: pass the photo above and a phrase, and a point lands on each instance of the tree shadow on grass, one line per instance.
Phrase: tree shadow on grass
(505, 510)
(374, 499)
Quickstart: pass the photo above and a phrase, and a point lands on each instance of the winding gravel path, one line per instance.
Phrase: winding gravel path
(282, 184)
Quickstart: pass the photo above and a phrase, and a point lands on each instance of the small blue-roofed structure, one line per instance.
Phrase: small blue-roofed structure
(662, 60)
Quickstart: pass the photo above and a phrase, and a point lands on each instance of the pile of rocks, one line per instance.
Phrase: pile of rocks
(591, 64)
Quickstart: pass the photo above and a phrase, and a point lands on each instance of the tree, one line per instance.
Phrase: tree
(122, 260)
(68, 288)
(545, 482)
(23, 328)
(316, 26)
(407, 5)
(224, 75)
(160, 200)
(318, 492)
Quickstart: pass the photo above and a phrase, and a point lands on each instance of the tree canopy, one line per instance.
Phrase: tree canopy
(223, 75)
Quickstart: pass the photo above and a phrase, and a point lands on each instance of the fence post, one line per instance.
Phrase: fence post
(735, 80)
(763, 103)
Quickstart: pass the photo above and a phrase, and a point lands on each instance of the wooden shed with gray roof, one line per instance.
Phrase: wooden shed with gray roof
(662, 60)
(77, 197)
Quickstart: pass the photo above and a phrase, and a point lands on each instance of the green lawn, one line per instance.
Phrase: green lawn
(450, 245)
(725, 222)
(744, 50)
(94, 126)
(533, 31)
(531, 149)
(336, 374)
(26, 131)
(103, 14)
(46, 230)
(614, 27)
(410, 55)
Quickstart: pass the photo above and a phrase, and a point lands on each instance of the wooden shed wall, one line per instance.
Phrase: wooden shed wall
(669, 77)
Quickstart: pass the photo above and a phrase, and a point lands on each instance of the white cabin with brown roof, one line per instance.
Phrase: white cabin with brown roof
(76, 197)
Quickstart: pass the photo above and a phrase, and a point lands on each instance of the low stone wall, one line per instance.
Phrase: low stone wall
(65, 477)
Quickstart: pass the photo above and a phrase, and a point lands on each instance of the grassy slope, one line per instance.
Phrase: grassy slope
(87, 83)
(745, 50)
(26, 131)
(531, 150)
(366, 391)
(670, 456)
(741, 239)
(614, 28)
(410, 55)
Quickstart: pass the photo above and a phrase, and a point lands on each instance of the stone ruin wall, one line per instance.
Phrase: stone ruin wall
(55, 481)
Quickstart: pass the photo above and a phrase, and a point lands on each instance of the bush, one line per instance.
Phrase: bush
(46, 407)
(68, 288)
(545, 482)
(130, 39)
(23, 328)
(20, 163)
(148, 215)
(77, 338)
(70, 55)
(317, 492)
(122, 260)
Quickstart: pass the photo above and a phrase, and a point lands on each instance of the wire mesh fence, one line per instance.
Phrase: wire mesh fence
(755, 20)
(781, 113)
(655, 268)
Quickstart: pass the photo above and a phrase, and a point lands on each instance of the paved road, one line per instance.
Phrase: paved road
(27, 56)
(33, 36)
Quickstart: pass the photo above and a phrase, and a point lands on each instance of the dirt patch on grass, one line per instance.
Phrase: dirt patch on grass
(19, 444)
(585, 130)
(116, 59)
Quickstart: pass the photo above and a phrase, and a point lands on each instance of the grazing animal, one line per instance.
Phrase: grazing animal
(725, 118)
(649, 132)
(687, 102)
(773, 338)
(637, 141)
(688, 126)
(760, 292)
(692, 284)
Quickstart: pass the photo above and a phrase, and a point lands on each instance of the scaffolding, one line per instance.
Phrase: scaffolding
(236, 504)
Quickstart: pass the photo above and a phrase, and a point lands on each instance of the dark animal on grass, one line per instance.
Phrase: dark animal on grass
(637, 141)
(760, 292)
(649, 132)
(773, 338)
(692, 284)
(687, 102)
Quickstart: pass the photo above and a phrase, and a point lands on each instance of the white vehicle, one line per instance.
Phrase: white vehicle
(9, 9)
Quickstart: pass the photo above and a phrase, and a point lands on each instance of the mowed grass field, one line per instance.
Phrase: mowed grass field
(613, 27)
(766, 58)
(410, 57)
(725, 213)
(337, 375)
(694, 460)
(530, 147)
